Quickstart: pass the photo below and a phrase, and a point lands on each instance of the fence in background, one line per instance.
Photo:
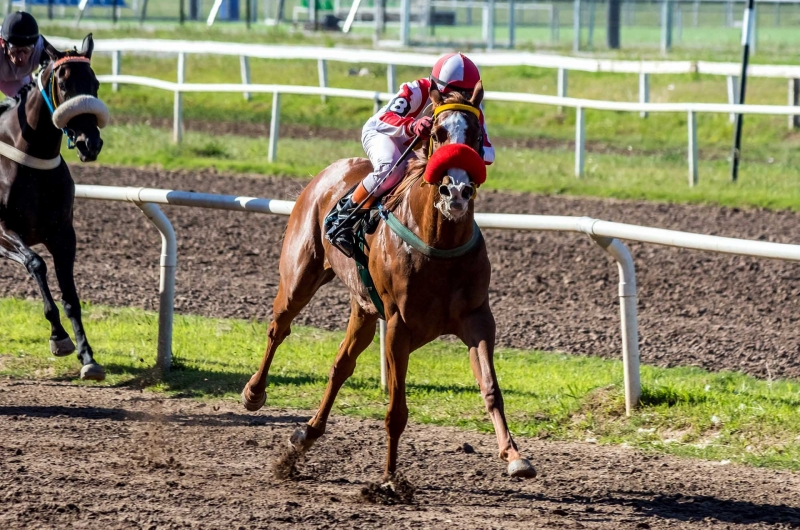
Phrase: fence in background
(581, 105)
(604, 233)
(644, 69)
(481, 23)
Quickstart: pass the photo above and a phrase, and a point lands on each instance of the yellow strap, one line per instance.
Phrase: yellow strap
(457, 106)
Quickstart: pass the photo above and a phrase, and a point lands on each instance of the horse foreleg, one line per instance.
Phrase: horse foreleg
(13, 248)
(478, 333)
(288, 303)
(360, 332)
(62, 247)
(398, 348)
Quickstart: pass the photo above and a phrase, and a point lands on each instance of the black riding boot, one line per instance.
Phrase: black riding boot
(339, 229)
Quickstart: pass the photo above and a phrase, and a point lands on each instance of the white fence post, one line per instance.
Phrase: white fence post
(644, 91)
(405, 22)
(322, 71)
(116, 67)
(733, 93)
(561, 86)
(629, 319)
(391, 79)
(576, 26)
(382, 327)
(274, 126)
(580, 140)
(244, 66)
(177, 115)
(693, 150)
(166, 286)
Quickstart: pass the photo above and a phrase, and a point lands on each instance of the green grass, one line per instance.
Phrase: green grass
(685, 411)
(661, 177)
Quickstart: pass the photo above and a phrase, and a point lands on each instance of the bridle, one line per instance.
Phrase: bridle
(50, 99)
(459, 107)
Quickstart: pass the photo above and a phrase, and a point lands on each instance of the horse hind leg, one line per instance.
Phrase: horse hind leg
(13, 248)
(360, 332)
(62, 247)
(299, 282)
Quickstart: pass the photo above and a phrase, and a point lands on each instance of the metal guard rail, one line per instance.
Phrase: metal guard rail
(606, 234)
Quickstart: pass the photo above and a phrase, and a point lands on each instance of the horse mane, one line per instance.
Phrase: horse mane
(416, 166)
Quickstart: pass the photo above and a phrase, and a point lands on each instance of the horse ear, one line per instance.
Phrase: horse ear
(435, 95)
(477, 95)
(88, 46)
(51, 52)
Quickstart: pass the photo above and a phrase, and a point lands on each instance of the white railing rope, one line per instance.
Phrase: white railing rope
(606, 234)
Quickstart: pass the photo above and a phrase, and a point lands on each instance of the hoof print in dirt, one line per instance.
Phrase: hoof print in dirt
(395, 490)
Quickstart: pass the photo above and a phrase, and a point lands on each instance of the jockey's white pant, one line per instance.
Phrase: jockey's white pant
(383, 151)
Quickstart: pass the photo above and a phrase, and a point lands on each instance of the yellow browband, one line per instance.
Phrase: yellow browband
(457, 106)
(452, 106)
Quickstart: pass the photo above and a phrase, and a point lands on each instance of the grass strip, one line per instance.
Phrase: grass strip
(685, 411)
(658, 176)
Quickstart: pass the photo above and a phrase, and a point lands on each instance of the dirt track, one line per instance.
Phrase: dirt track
(549, 291)
(91, 457)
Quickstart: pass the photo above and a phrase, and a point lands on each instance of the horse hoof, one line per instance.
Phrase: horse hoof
(62, 347)
(521, 467)
(253, 404)
(92, 372)
(299, 441)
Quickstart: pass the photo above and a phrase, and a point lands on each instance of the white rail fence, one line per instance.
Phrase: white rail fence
(581, 105)
(391, 59)
(605, 234)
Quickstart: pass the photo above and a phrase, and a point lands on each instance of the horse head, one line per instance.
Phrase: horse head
(71, 85)
(456, 123)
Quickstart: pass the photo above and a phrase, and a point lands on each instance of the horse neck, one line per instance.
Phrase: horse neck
(420, 214)
(38, 136)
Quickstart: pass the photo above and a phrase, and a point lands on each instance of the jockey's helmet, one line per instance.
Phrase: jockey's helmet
(455, 71)
(20, 29)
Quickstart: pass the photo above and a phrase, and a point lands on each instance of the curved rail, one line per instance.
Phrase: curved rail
(606, 234)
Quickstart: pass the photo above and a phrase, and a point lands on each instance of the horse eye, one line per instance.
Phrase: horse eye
(441, 135)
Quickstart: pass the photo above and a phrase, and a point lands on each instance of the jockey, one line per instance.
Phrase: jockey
(23, 49)
(389, 132)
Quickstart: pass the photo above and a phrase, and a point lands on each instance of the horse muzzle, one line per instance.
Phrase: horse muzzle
(89, 147)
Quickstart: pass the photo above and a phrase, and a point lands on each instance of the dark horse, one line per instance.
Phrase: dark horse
(36, 203)
(424, 295)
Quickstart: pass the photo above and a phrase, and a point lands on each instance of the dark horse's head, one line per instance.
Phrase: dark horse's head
(71, 85)
(458, 168)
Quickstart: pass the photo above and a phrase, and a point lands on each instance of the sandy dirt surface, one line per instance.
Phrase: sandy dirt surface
(93, 457)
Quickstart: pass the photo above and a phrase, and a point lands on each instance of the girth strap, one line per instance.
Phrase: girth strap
(362, 266)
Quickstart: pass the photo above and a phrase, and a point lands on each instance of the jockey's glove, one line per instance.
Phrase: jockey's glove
(422, 127)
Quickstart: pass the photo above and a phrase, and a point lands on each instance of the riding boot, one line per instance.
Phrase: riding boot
(340, 225)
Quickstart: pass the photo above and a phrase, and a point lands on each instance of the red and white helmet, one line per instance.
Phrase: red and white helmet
(455, 71)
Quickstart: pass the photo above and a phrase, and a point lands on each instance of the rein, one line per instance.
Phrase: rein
(50, 99)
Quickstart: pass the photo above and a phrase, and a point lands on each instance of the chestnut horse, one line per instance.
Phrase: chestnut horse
(36, 189)
(423, 297)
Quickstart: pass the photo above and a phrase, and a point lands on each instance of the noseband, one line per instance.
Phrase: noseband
(50, 99)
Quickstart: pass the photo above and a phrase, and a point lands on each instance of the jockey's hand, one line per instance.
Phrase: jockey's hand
(422, 127)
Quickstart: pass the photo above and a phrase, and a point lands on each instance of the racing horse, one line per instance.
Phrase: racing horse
(36, 188)
(429, 269)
